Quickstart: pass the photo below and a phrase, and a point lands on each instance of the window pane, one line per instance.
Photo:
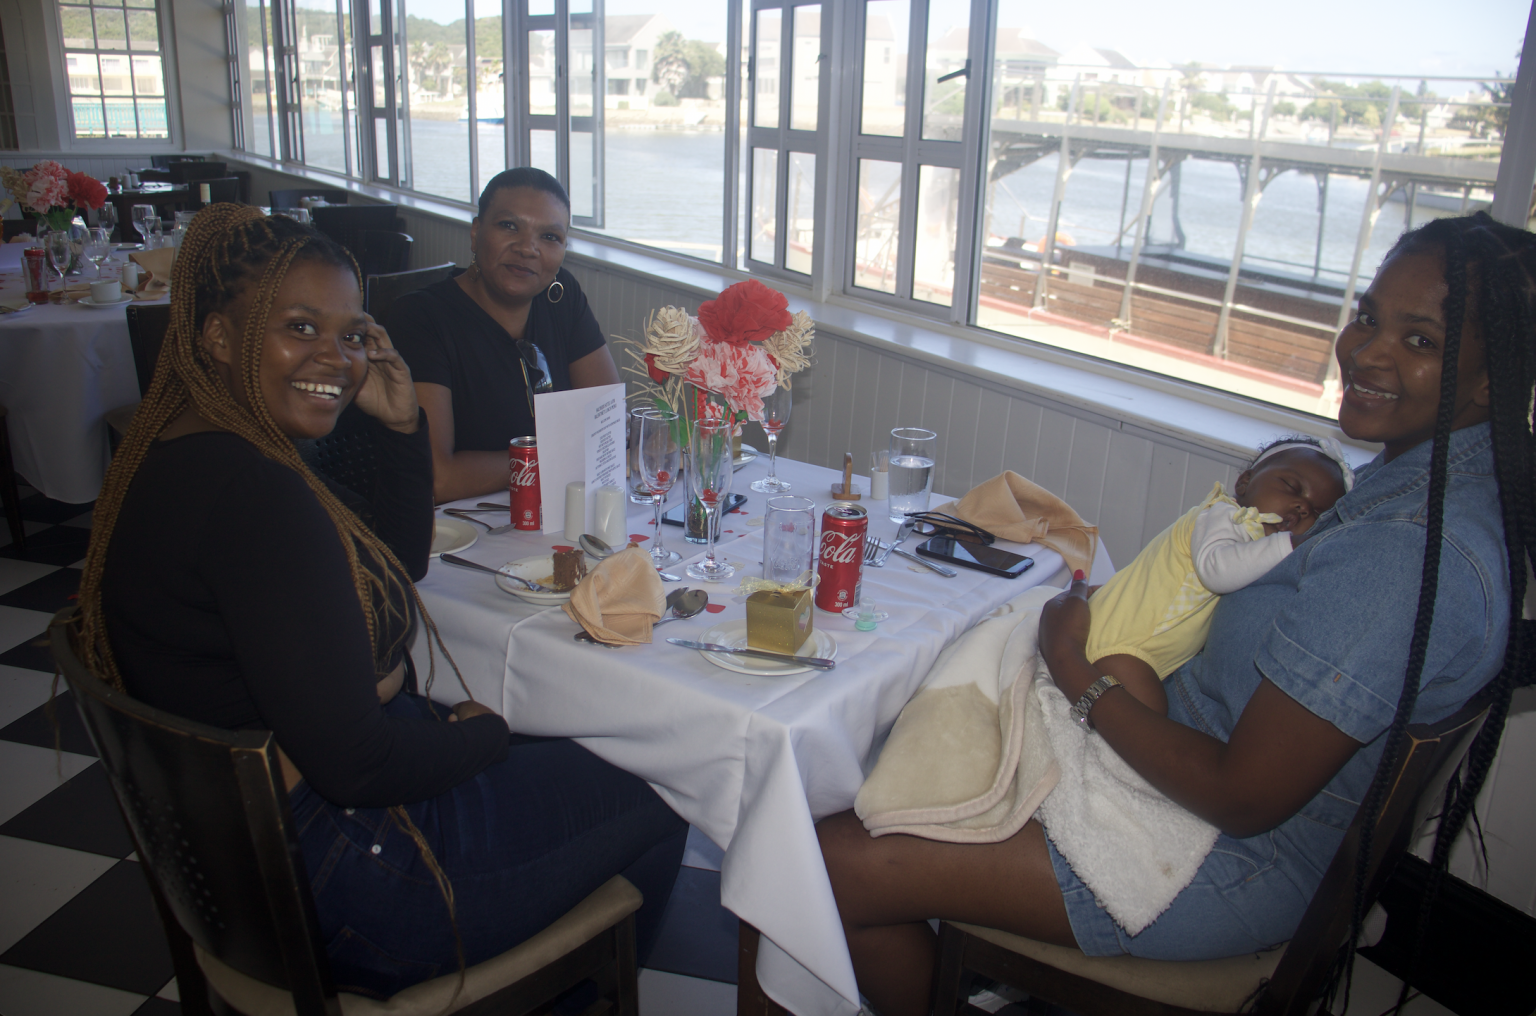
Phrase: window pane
(437, 81)
(84, 75)
(878, 227)
(885, 67)
(116, 75)
(78, 33)
(938, 210)
(805, 70)
(143, 30)
(765, 67)
(765, 168)
(541, 145)
(581, 173)
(152, 122)
(490, 91)
(801, 211)
(258, 25)
(583, 68)
(148, 76)
(110, 31)
(321, 83)
(537, 8)
(90, 122)
(949, 27)
(541, 73)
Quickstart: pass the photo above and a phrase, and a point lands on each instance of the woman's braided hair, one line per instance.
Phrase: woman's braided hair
(1490, 270)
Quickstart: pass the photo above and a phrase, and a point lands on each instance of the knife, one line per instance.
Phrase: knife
(946, 572)
(492, 530)
(803, 661)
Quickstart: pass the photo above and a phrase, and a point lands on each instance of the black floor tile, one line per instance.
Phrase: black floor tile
(81, 814)
(49, 594)
(36, 728)
(158, 1007)
(109, 933)
(38, 508)
(30, 655)
(59, 545)
(698, 935)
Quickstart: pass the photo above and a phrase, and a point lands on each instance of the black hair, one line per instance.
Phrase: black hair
(249, 245)
(1490, 269)
(1294, 439)
(523, 176)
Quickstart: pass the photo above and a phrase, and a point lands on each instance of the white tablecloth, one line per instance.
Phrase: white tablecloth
(62, 368)
(751, 761)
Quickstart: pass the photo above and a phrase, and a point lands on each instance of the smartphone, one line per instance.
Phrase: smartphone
(992, 560)
(674, 516)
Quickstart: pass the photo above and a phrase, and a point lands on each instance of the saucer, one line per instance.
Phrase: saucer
(88, 302)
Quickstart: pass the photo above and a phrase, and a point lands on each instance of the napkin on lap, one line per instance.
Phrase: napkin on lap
(1013, 508)
(157, 263)
(620, 599)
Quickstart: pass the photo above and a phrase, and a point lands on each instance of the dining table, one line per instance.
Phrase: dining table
(63, 367)
(751, 759)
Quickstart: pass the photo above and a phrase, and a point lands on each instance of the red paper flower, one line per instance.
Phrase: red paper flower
(657, 374)
(746, 312)
(86, 191)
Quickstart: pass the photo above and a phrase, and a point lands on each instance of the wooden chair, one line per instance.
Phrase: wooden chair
(290, 198)
(211, 821)
(147, 325)
(381, 291)
(1286, 980)
(10, 496)
(383, 251)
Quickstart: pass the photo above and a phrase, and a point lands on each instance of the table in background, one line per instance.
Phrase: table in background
(752, 761)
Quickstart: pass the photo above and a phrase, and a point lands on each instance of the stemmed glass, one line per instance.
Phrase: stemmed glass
(142, 216)
(775, 415)
(60, 250)
(661, 455)
(98, 247)
(106, 217)
(709, 480)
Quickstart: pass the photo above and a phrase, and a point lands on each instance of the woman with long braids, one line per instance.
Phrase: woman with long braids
(227, 583)
(1402, 603)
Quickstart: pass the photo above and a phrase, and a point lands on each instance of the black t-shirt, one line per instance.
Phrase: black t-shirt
(447, 339)
(228, 600)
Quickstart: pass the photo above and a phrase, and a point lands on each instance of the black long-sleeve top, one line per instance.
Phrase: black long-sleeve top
(228, 599)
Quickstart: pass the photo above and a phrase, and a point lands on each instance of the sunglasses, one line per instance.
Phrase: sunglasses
(536, 373)
(940, 524)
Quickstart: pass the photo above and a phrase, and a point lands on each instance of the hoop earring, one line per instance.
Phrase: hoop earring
(556, 291)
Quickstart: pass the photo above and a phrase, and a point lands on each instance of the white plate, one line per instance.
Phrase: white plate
(449, 536)
(748, 454)
(127, 246)
(534, 568)
(733, 634)
(88, 302)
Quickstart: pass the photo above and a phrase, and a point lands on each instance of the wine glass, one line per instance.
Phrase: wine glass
(98, 247)
(709, 480)
(661, 454)
(106, 217)
(142, 214)
(776, 408)
(60, 250)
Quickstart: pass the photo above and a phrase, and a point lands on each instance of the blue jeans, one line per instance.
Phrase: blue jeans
(521, 843)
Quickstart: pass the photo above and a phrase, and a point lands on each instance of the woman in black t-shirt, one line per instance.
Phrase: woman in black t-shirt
(480, 343)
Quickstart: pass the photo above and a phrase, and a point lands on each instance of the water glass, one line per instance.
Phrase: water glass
(98, 247)
(60, 251)
(911, 477)
(789, 538)
(709, 480)
(660, 456)
(639, 493)
(142, 214)
(776, 408)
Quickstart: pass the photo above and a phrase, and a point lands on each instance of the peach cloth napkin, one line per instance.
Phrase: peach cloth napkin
(1016, 509)
(620, 599)
(157, 264)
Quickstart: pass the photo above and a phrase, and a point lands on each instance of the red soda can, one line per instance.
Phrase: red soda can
(840, 557)
(34, 273)
(523, 486)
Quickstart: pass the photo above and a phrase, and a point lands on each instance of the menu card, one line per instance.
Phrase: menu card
(581, 437)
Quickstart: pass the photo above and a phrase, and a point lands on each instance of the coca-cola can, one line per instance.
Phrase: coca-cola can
(840, 556)
(523, 486)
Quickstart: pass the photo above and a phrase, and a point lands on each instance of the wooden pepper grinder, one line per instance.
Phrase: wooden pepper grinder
(846, 491)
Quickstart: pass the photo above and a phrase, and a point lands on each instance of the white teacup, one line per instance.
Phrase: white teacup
(106, 291)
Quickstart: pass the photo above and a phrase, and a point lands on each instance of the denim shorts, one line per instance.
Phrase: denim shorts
(1241, 900)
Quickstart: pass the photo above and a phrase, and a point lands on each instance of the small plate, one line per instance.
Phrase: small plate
(449, 536)
(748, 454)
(127, 246)
(733, 634)
(88, 302)
(539, 566)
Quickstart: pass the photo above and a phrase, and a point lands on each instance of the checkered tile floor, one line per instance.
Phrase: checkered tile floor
(79, 935)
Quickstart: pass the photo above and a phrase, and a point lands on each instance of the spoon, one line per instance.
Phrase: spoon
(683, 603)
(464, 562)
(595, 547)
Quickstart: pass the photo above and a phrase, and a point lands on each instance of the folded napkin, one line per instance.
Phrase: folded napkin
(1013, 508)
(157, 264)
(620, 599)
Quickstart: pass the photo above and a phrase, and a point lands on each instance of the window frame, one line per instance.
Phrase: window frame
(58, 65)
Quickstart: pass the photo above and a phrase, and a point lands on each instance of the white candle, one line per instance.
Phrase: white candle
(608, 517)
(575, 510)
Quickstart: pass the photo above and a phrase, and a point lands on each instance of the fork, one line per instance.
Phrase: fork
(875, 552)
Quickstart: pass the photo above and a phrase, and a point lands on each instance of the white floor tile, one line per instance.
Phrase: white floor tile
(38, 878)
(663, 994)
(18, 625)
(15, 574)
(32, 772)
(29, 993)
(22, 691)
(701, 852)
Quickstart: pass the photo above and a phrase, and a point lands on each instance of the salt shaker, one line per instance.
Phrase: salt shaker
(880, 475)
(131, 276)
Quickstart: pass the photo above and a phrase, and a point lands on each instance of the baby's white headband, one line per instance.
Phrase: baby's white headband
(1327, 446)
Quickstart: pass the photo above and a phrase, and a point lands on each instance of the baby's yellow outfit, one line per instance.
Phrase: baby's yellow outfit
(1158, 609)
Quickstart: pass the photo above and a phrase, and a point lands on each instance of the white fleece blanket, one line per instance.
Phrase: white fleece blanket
(987, 742)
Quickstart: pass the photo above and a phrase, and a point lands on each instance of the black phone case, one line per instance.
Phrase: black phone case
(925, 550)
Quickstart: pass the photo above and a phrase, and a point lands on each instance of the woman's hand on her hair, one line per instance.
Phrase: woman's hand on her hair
(387, 393)
(1064, 625)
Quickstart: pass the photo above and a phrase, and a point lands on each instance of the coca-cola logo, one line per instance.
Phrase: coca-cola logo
(840, 548)
(525, 474)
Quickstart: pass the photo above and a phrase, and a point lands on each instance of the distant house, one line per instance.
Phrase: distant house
(1095, 64)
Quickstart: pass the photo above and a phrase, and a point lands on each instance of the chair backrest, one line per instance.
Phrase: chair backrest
(383, 251)
(208, 813)
(381, 291)
(147, 325)
(347, 455)
(183, 172)
(345, 223)
(221, 189)
(290, 198)
(165, 161)
(1431, 752)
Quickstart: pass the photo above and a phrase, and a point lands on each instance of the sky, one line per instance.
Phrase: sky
(1410, 37)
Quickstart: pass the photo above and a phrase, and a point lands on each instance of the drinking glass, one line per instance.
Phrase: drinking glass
(709, 480)
(660, 457)
(789, 538)
(142, 214)
(98, 247)
(106, 217)
(639, 493)
(912, 452)
(775, 415)
(59, 249)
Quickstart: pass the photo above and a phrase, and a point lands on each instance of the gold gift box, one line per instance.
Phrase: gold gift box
(779, 622)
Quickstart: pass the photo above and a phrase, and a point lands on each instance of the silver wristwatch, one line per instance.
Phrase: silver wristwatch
(1079, 712)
